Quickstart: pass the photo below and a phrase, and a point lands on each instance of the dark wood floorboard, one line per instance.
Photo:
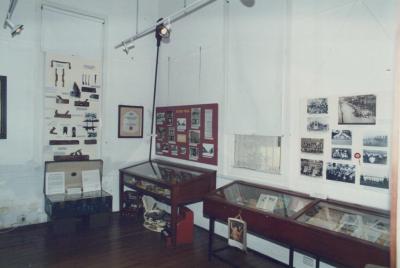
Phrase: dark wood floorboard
(125, 243)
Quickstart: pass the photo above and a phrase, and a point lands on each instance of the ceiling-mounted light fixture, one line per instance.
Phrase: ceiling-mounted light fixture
(15, 29)
(163, 30)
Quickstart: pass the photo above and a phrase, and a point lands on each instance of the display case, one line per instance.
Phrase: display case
(326, 229)
(173, 184)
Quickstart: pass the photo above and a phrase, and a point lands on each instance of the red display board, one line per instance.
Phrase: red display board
(188, 132)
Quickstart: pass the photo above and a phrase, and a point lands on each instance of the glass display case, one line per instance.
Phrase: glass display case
(349, 221)
(327, 229)
(173, 184)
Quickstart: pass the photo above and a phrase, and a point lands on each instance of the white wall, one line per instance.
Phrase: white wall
(126, 81)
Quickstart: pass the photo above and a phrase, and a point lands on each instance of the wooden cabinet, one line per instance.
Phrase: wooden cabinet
(339, 232)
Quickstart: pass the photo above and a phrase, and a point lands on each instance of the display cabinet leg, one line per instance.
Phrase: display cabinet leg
(210, 238)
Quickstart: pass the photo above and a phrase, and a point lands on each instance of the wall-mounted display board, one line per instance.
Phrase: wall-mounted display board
(188, 132)
(72, 106)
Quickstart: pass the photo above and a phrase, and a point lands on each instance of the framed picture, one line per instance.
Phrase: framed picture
(3, 107)
(130, 121)
(237, 233)
(357, 110)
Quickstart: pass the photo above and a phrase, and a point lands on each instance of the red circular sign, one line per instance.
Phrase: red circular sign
(357, 155)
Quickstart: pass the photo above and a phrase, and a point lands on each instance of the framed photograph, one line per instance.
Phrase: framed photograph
(341, 153)
(130, 121)
(341, 137)
(237, 233)
(319, 124)
(312, 168)
(375, 140)
(317, 106)
(375, 181)
(341, 172)
(357, 110)
(208, 150)
(375, 157)
(3, 107)
(310, 145)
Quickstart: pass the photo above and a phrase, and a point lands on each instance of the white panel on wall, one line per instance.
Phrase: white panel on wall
(256, 67)
(66, 32)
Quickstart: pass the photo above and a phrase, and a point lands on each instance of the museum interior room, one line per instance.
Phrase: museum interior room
(199, 133)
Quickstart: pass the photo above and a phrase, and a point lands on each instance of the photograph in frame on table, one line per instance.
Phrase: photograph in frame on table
(195, 118)
(237, 233)
(374, 157)
(311, 168)
(208, 150)
(357, 110)
(181, 124)
(341, 137)
(341, 153)
(375, 140)
(3, 107)
(374, 181)
(317, 124)
(317, 106)
(310, 145)
(341, 172)
(130, 121)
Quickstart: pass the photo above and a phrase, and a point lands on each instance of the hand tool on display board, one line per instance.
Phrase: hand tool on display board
(65, 115)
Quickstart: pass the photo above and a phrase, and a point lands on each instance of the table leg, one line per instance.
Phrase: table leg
(210, 238)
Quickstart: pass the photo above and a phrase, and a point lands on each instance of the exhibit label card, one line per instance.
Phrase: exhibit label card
(91, 180)
(55, 183)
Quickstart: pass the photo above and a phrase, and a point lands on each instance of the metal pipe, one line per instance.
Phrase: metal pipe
(172, 17)
(13, 3)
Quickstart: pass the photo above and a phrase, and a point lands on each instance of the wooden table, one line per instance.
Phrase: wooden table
(170, 183)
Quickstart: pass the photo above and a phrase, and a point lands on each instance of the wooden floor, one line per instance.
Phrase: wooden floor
(123, 244)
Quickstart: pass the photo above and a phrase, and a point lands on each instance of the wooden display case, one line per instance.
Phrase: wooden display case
(339, 232)
(170, 183)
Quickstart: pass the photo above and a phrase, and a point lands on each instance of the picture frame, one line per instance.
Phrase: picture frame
(3, 107)
(130, 121)
(237, 233)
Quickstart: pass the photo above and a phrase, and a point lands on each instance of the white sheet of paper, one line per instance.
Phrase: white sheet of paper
(55, 183)
(208, 114)
(91, 180)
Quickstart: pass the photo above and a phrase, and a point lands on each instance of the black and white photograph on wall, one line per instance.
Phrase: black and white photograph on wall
(355, 110)
(317, 124)
(181, 124)
(160, 118)
(194, 136)
(341, 153)
(169, 117)
(341, 137)
(341, 172)
(182, 150)
(158, 148)
(161, 133)
(3, 107)
(317, 106)
(375, 157)
(375, 140)
(174, 149)
(374, 181)
(312, 168)
(193, 153)
(171, 134)
(310, 145)
(165, 148)
(237, 233)
(195, 118)
(208, 150)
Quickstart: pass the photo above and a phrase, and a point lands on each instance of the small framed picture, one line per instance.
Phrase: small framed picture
(130, 121)
(237, 233)
(3, 107)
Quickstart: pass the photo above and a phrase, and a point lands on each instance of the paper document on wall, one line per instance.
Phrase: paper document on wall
(91, 180)
(55, 183)
(208, 115)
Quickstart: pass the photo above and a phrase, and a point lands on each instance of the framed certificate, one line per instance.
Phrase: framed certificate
(130, 121)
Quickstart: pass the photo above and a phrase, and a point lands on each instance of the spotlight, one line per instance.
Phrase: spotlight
(15, 29)
(163, 30)
(127, 48)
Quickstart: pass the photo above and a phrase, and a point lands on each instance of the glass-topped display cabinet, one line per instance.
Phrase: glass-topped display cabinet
(167, 182)
(342, 233)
